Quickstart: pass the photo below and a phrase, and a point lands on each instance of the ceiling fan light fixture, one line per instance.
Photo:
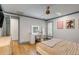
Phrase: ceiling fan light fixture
(48, 10)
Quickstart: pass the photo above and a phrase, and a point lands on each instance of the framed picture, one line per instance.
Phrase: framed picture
(60, 24)
(70, 24)
(35, 29)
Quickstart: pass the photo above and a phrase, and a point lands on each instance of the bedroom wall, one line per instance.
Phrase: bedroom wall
(26, 28)
(4, 28)
(0, 32)
(68, 34)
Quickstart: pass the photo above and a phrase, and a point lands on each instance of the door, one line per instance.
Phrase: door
(14, 27)
(50, 29)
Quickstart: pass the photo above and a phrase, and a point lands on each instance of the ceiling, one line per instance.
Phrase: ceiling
(38, 10)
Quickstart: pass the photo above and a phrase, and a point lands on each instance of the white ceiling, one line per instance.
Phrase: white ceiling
(38, 10)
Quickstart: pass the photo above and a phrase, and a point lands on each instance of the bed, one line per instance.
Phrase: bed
(5, 48)
(57, 47)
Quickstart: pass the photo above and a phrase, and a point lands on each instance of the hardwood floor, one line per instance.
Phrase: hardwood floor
(23, 49)
(10, 47)
(5, 45)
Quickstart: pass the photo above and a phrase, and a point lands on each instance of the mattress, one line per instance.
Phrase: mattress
(57, 47)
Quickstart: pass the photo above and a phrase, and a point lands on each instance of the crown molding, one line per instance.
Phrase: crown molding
(64, 15)
(41, 18)
(23, 15)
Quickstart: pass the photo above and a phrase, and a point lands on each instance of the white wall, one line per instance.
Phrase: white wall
(4, 28)
(14, 28)
(0, 32)
(68, 34)
(26, 27)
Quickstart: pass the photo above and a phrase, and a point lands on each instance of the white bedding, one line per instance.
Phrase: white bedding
(52, 42)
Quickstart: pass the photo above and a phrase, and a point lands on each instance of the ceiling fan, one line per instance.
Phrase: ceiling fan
(47, 10)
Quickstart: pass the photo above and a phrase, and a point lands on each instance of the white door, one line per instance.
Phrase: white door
(14, 28)
(50, 29)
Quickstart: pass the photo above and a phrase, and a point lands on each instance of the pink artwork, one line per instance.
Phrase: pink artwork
(59, 24)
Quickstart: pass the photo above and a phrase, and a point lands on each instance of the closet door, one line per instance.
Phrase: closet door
(14, 27)
(50, 29)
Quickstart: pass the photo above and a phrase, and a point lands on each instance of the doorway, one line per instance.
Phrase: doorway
(14, 27)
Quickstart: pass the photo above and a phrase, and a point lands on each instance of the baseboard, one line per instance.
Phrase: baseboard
(24, 42)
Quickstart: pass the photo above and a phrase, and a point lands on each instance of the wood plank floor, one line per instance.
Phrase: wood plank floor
(14, 48)
(23, 49)
(10, 47)
(5, 45)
